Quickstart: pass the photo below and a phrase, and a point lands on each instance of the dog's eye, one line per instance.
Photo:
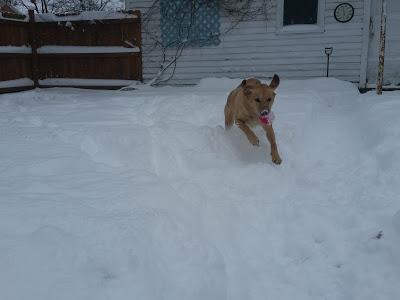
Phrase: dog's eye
(257, 99)
(269, 99)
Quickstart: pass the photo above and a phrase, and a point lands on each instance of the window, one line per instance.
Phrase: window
(300, 16)
(300, 12)
(195, 23)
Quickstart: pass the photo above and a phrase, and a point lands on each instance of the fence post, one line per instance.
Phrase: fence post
(139, 43)
(382, 41)
(33, 42)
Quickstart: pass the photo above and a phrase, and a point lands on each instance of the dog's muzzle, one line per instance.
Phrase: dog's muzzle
(264, 113)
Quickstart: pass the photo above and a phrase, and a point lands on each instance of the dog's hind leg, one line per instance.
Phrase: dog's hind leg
(228, 117)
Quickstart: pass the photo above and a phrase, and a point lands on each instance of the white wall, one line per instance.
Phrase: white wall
(255, 49)
(392, 53)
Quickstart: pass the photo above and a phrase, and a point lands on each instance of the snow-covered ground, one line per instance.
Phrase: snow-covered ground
(143, 195)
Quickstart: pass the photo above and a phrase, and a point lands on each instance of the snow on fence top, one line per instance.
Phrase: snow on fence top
(85, 16)
(86, 82)
(16, 49)
(85, 49)
(13, 17)
(15, 83)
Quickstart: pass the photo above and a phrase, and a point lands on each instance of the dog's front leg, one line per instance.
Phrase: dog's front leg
(251, 136)
(274, 148)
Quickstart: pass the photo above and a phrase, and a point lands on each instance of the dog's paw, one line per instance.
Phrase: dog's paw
(254, 140)
(276, 159)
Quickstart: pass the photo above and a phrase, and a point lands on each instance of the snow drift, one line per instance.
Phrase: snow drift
(144, 195)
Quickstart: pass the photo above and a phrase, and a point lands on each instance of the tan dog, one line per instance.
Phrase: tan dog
(245, 105)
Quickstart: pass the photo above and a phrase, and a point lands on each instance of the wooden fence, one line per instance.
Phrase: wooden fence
(77, 51)
(15, 55)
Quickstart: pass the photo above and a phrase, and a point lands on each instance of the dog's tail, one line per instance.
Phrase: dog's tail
(228, 117)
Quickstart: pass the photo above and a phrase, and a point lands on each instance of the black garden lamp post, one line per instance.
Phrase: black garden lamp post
(328, 52)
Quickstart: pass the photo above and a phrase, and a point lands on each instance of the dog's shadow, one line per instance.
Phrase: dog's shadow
(234, 145)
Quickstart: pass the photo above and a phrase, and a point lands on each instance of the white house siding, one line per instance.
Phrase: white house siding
(392, 53)
(255, 48)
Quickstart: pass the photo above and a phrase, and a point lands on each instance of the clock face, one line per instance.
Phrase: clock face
(344, 12)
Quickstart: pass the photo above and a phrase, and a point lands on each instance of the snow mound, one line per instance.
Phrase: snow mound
(218, 83)
(143, 194)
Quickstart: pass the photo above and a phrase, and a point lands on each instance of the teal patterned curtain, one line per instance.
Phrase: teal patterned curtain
(195, 22)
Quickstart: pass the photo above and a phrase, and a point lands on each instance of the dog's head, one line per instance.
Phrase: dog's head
(260, 97)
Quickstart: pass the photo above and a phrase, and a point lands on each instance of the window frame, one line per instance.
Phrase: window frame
(300, 28)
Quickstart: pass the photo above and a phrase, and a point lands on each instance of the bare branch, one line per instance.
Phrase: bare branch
(234, 10)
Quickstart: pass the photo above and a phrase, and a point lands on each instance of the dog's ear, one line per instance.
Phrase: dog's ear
(274, 82)
(246, 88)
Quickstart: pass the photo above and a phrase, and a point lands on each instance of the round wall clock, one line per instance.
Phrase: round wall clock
(344, 12)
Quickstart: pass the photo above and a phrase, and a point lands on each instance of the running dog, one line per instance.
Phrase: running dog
(249, 105)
